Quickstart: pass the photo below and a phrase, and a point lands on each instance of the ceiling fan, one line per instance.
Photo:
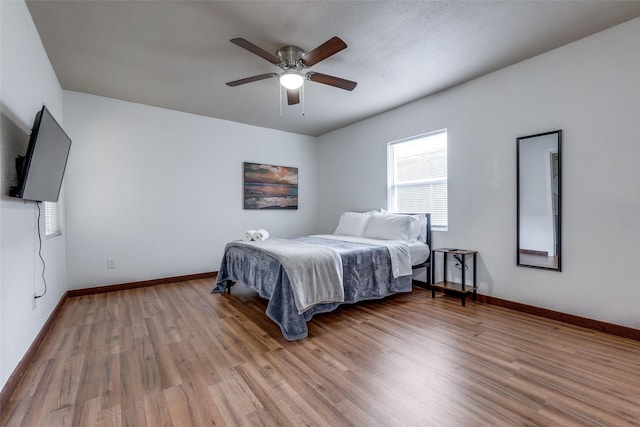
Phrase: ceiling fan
(292, 60)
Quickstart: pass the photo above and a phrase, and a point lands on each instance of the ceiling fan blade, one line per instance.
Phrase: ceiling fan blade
(293, 96)
(325, 50)
(245, 44)
(250, 79)
(331, 81)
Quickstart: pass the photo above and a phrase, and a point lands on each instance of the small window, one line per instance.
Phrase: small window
(51, 219)
(417, 177)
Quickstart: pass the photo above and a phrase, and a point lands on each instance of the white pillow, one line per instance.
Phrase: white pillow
(415, 229)
(422, 228)
(392, 227)
(352, 224)
(419, 230)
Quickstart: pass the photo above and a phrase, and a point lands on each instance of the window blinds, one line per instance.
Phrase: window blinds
(418, 176)
(51, 223)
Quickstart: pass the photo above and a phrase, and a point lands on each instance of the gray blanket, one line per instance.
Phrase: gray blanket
(367, 274)
(314, 271)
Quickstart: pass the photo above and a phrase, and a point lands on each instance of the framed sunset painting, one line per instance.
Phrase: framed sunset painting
(270, 186)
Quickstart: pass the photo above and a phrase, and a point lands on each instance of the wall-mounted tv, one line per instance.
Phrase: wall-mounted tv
(41, 170)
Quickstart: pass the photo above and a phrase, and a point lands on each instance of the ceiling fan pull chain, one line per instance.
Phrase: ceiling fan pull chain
(280, 97)
(302, 95)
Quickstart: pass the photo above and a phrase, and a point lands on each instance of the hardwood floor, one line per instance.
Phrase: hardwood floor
(176, 355)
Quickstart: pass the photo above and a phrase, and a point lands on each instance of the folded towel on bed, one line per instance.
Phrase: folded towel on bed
(248, 235)
(255, 235)
(261, 234)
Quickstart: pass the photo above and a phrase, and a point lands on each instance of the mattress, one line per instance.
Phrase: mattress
(419, 252)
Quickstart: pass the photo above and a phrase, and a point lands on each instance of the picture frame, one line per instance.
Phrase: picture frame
(270, 186)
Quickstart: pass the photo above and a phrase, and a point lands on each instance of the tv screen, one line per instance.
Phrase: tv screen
(40, 172)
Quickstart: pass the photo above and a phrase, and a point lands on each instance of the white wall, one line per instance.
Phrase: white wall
(27, 81)
(590, 90)
(161, 190)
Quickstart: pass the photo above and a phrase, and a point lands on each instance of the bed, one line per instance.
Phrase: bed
(369, 256)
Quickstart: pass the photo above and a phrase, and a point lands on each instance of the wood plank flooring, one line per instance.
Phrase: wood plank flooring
(176, 355)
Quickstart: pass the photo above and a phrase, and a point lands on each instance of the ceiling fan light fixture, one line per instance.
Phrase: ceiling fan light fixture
(291, 79)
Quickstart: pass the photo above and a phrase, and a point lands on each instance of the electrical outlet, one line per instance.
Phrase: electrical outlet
(111, 262)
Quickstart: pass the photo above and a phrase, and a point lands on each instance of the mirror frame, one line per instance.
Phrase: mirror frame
(555, 265)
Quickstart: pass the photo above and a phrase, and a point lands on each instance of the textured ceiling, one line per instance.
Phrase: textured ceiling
(177, 54)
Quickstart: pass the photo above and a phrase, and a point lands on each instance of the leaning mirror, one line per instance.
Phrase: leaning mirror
(539, 200)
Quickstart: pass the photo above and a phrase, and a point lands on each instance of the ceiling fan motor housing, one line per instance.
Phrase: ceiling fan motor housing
(290, 57)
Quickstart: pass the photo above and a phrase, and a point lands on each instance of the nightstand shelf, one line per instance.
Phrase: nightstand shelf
(462, 288)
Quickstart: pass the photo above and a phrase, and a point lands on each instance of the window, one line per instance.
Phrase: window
(417, 176)
(51, 220)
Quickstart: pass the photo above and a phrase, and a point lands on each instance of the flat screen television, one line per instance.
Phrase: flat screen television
(41, 170)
